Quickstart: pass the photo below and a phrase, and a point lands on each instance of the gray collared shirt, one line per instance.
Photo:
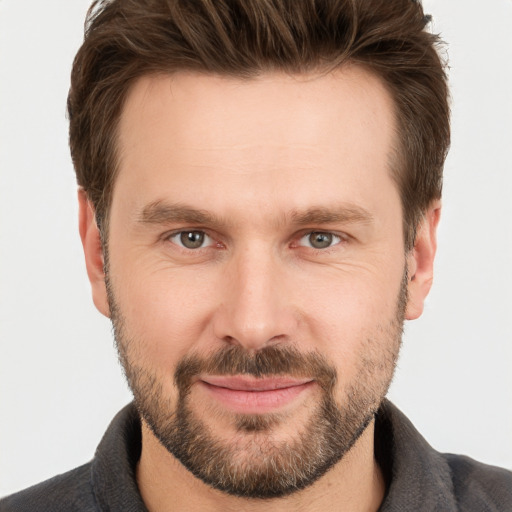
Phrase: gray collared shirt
(419, 479)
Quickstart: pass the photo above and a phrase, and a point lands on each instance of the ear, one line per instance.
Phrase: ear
(420, 261)
(93, 251)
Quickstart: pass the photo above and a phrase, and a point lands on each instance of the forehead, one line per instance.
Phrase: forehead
(196, 102)
(292, 137)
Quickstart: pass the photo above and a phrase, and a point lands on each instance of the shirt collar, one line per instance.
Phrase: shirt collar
(418, 477)
(114, 465)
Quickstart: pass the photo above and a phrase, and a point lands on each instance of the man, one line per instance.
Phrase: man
(260, 192)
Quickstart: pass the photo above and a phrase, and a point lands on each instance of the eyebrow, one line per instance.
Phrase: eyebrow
(340, 214)
(161, 212)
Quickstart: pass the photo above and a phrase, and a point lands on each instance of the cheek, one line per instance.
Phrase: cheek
(345, 300)
(167, 313)
(354, 320)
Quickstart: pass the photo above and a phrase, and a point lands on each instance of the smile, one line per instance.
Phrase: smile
(254, 396)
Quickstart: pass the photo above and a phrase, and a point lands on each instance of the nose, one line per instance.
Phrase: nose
(256, 304)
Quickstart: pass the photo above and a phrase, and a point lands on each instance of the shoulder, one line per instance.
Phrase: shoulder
(423, 479)
(68, 492)
(478, 486)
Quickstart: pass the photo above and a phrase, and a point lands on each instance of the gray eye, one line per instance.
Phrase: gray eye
(191, 239)
(320, 240)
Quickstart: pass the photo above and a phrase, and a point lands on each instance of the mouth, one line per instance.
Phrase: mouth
(249, 395)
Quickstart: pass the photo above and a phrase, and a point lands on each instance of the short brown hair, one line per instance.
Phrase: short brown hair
(126, 39)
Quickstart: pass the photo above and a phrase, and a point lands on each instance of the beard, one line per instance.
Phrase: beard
(253, 462)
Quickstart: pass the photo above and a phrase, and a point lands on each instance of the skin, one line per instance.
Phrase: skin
(257, 155)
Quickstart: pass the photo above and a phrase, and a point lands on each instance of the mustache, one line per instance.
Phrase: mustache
(269, 361)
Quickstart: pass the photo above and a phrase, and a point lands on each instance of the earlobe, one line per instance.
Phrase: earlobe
(420, 262)
(93, 252)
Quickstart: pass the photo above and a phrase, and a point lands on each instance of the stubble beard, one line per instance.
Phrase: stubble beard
(252, 464)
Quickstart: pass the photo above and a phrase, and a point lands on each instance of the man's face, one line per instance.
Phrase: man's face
(256, 269)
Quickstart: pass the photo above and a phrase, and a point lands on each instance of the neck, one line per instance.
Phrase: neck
(354, 484)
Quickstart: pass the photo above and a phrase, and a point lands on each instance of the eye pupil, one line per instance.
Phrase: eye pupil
(320, 240)
(192, 239)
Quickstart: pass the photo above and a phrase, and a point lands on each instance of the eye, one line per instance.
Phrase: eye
(191, 239)
(319, 240)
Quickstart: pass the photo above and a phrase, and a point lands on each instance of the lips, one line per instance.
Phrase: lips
(247, 395)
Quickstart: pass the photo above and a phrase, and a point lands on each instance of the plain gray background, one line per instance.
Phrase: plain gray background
(60, 383)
